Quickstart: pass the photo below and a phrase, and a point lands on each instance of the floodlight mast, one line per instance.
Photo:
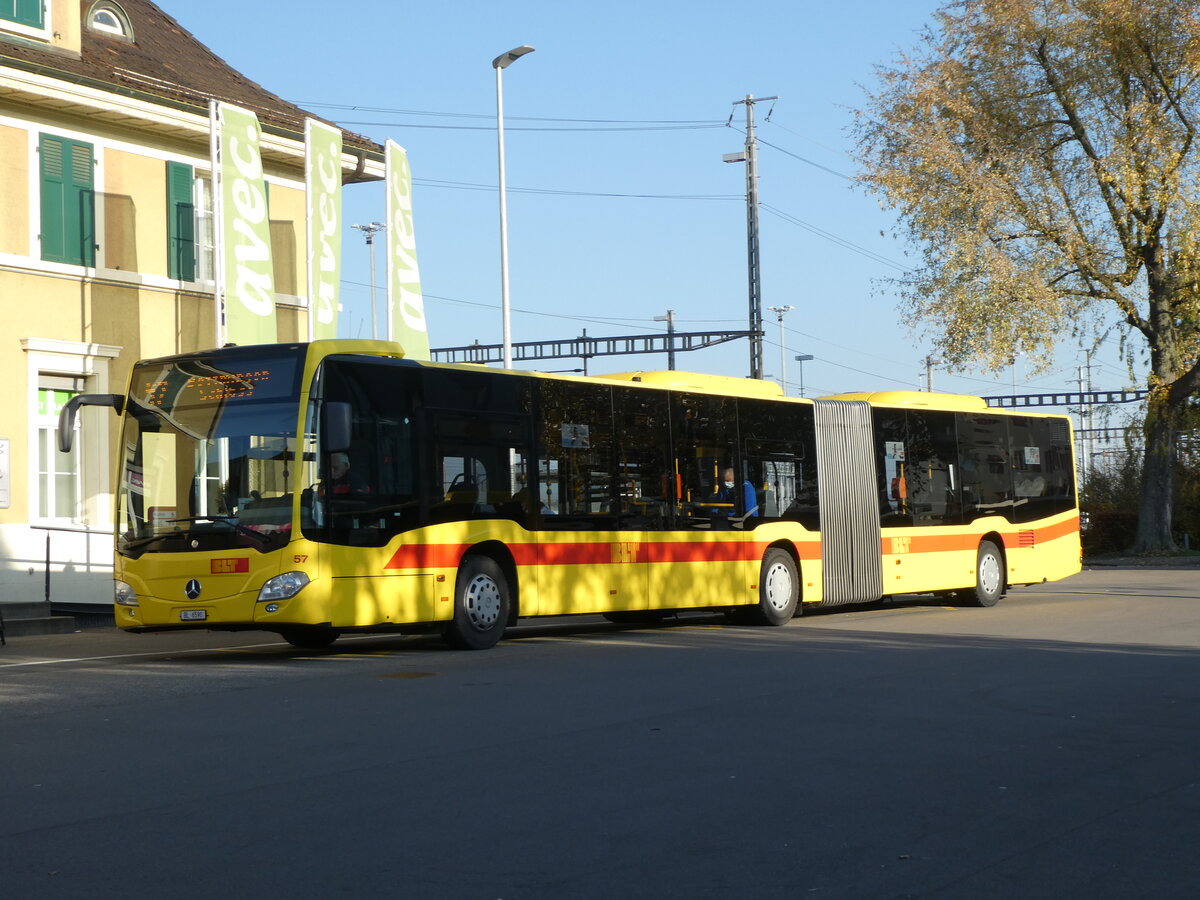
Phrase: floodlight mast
(369, 232)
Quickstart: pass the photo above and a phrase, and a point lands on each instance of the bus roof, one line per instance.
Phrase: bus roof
(695, 381)
(963, 402)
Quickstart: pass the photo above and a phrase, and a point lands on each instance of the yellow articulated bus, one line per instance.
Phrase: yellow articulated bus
(318, 489)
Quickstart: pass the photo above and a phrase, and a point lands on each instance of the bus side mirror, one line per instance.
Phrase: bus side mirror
(66, 418)
(335, 426)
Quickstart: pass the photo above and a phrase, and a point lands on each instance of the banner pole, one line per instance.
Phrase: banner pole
(218, 221)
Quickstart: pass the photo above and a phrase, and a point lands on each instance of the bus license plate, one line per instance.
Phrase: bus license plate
(193, 615)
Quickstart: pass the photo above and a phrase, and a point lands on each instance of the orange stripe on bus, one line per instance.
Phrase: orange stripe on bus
(945, 543)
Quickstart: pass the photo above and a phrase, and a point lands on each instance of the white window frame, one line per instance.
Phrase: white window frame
(124, 28)
(89, 362)
(44, 33)
(206, 224)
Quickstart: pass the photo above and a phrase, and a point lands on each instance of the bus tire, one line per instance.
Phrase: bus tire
(309, 637)
(481, 605)
(778, 588)
(989, 576)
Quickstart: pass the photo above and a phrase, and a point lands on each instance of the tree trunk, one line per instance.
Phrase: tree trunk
(1158, 480)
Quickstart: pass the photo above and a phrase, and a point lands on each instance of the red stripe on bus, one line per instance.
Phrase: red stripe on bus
(592, 553)
(427, 556)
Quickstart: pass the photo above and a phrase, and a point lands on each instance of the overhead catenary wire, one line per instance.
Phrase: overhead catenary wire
(492, 116)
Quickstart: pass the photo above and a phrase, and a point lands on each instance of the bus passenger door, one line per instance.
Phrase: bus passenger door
(700, 561)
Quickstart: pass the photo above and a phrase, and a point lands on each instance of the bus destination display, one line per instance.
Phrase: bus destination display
(206, 389)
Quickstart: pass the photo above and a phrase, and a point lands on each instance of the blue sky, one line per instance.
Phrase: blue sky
(663, 77)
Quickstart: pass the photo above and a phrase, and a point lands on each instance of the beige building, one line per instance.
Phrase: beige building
(106, 256)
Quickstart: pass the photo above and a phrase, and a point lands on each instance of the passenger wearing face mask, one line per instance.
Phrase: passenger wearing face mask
(727, 492)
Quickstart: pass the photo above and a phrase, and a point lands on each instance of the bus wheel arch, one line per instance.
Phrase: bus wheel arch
(484, 598)
(990, 572)
(779, 586)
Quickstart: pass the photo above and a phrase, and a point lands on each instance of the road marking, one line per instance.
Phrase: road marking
(79, 659)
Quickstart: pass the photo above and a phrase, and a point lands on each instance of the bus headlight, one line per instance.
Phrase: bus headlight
(124, 595)
(282, 586)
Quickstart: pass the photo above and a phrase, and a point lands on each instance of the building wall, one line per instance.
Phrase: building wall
(14, 190)
(92, 324)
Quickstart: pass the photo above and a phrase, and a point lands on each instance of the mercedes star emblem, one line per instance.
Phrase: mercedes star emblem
(192, 589)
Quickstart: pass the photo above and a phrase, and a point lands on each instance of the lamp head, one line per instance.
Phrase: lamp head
(504, 60)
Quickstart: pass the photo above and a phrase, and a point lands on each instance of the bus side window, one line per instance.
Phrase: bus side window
(780, 459)
(892, 467)
(986, 476)
(645, 476)
(704, 432)
(574, 436)
(480, 467)
(1043, 468)
(933, 482)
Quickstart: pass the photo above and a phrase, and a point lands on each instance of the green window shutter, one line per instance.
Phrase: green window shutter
(23, 12)
(67, 201)
(52, 150)
(181, 223)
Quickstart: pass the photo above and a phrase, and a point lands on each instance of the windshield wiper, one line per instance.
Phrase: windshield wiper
(134, 543)
(231, 522)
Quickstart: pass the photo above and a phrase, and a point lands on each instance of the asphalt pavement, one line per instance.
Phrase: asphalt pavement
(1042, 748)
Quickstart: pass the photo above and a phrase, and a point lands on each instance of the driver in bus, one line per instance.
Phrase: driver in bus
(341, 480)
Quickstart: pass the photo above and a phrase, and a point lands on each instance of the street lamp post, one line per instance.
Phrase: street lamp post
(780, 312)
(369, 232)
(500, 63)
(802, 359)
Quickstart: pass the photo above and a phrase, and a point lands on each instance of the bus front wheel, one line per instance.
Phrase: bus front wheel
(989, 576)
(481, 604)
(778, 587)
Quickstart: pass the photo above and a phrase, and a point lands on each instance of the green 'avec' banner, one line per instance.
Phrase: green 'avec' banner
(406, 307)
(323, 180)
(248, 278)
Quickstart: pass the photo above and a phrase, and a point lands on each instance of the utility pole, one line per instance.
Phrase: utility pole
(929, 373)
(669, 318)
(1086, 416)
(755, 276)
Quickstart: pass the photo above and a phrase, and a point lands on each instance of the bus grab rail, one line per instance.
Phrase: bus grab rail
(66, 418)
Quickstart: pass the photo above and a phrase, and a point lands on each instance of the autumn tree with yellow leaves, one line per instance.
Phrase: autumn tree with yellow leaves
(1042, 157)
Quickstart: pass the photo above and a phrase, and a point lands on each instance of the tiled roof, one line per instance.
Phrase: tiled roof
(166, 62)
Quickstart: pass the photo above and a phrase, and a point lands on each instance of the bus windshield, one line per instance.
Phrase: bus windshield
(209, 452)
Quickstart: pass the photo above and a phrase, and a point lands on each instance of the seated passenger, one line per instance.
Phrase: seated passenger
(727, 492)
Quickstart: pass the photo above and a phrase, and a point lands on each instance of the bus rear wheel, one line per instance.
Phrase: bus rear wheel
(309, 637)
(778, 588)
(989, 576)
(481, 605)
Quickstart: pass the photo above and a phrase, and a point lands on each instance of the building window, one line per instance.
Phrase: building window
(68, 201)
(23, 12)
(59, 484)
(109, 18)
(69, 488)
(205, 228)
(189, 224)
